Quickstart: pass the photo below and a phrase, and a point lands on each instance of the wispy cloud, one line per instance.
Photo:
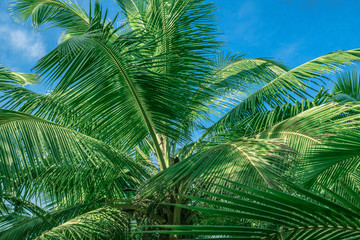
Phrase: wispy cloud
(247, 9)
(248, 22)
(291, 52)
(21, 41)
(20, 46)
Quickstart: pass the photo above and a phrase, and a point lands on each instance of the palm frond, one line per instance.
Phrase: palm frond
(39, 156)
(67, 15)
(134, 11)
(317, 123)
(104, 223)
(310, 132)
(347, 86)
(302, 133)
(57, 13)
(259, 122)
(230, 77)
(22, 79)
(249, 161)
(286, 87)
(337, 159)
(276, 215)
(182, 39)
(18, 224)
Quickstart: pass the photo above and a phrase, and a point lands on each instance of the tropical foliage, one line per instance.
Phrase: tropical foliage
(272, 214)
(150, 131)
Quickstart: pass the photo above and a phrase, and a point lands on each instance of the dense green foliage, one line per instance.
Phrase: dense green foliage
(150, 131)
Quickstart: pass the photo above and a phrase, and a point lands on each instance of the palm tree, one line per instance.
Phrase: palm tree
(128, 124)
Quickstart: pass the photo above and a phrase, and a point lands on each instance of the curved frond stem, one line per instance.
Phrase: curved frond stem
(145, 115)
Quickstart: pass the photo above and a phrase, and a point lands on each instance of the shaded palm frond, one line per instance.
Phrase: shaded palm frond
(104, 223)
(317, 123)
(31, 224)
(275, 214)
(337, 159)
(311, 131)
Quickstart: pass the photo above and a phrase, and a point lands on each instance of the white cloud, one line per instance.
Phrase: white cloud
(19, 44)
(29, 44)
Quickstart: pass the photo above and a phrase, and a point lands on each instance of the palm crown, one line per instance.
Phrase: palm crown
(127, 127)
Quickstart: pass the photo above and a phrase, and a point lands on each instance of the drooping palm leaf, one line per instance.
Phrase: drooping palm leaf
(114, 92)
(261, 121)
(315, 124)
(58, 13)
(103, 223)
(278, 215)
(286, 87)
(229, 78)
(19, 224)
(44, 156)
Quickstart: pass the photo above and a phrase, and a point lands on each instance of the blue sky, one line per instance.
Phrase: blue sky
(293, 31)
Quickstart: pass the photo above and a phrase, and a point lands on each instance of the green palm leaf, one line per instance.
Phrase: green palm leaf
(44, 156)
(249, 161)
(337, 159)
(316, 124)
(22, 79)
(286, 87)
(259, 122)
(58, 13)
(260, 161)
(347, 86)
(104, 223)
(33, 222)
(229, 78)
(278, 215)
